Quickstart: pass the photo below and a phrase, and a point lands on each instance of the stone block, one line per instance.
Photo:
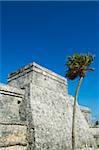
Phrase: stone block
(17, 147)
(11, 135)
(10, 100)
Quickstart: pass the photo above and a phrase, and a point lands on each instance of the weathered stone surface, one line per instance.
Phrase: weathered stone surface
(5, 89)
(87, 114)
(12, 135)
(17, 147)
(10, 100)
(45, 106)
(28, 70)
(95, 132)
(13, 131)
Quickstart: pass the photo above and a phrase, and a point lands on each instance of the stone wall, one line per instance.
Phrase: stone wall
(95, 131)
(13, 131)
(47, 108)
(87, 114)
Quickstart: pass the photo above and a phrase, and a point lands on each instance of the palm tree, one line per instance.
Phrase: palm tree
(77, 66)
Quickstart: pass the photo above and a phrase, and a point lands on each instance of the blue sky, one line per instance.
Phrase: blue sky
(47, 32)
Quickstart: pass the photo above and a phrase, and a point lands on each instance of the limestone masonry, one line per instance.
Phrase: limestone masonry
(36, 113)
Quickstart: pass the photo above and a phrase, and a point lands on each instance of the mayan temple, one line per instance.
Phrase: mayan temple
(36, 113)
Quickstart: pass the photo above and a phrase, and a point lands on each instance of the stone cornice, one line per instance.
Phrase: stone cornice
(36, 68)
(9, 90)
(85, 109)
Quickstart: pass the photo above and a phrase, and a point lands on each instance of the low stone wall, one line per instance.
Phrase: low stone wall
(95, 131)
(13, 136)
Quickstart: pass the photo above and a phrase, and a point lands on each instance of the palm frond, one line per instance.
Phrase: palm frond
(78, 65)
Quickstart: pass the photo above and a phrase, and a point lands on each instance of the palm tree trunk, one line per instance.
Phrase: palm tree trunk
(74, 114)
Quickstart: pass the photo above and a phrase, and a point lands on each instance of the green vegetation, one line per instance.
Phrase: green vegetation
(77, 66)
(97, 146)
(97, 122)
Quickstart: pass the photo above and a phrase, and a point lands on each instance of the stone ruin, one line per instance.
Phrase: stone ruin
(36, 112)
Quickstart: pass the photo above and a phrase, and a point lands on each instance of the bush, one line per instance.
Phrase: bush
(97, 146)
